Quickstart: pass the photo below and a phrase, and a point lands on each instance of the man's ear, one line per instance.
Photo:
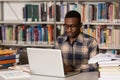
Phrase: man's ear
(81, 24)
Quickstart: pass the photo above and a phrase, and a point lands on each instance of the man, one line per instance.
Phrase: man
(76, 46)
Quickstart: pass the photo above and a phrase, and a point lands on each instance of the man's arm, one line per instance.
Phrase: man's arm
(68, 68)
(58, 42)
(93, 50)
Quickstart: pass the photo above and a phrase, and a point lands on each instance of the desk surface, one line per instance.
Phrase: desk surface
(81, 76)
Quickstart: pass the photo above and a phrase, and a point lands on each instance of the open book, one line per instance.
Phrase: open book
(14, 75)
(103, 57)
(24, 68)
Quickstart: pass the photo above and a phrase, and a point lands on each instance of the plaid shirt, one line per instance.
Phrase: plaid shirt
(78, 53)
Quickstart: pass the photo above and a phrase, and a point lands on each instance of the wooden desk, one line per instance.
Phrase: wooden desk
(81, 76)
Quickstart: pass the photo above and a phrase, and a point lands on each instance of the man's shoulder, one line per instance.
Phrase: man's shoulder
(63, 36)
(88, 37)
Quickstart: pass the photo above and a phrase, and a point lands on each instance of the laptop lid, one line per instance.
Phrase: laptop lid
(46, 62)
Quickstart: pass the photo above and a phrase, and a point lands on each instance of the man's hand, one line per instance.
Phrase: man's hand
(68, 68)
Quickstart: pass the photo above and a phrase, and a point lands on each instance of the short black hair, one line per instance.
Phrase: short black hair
(72, 14)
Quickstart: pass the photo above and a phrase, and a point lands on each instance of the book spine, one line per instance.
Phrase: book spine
(35, 12)
(6, 65)
(0, 34)
(43, 11)
(9, 61)
(7, 57)
(28, 12)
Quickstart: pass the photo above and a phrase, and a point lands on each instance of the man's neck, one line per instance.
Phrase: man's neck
(71, 40)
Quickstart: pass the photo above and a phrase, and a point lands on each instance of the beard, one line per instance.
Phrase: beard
(72, 35)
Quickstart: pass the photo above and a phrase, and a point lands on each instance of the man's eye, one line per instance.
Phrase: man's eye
(73, 26)
(70, 26)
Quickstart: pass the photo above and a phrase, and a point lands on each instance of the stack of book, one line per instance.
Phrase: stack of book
(108, 66)
(8, 58)
(109, 70)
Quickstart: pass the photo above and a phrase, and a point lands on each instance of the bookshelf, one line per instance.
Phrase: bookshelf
(4, 19)
(54, 20)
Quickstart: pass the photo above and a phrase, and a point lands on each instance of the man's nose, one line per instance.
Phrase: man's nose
(69, 28)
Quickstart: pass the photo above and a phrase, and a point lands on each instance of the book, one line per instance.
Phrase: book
(6, 52)
(28, 8)
(35, 12)
(36, 34)
(28, 34)
(108, 78)
(40, 33)
(7, 57)
(43, 11)
(6, 65)
(101, 57)
(24, 68)
(109, 63)
(58, 12)
(109, 68)
(14, 75)
(9, 61)
(0, 34)
(112, 74)
(50, 33)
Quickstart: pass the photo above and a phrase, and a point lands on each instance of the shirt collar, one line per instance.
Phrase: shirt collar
(80, 38)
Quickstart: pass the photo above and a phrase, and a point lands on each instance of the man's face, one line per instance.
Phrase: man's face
(72, 27)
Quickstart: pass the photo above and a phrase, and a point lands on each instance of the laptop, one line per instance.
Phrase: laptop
(47, 62)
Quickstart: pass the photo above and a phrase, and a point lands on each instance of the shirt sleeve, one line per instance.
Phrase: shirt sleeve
(59, 42)
(93, 48)
(56, 44)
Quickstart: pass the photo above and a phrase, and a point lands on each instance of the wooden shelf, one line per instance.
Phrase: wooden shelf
(59, 22)
(101, 23)
(109, 48)
(95, 23)
(30, 45)
(23, 22)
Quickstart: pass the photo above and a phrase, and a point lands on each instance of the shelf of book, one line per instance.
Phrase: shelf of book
(94, 14)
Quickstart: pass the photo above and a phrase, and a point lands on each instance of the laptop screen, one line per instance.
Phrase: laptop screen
(45, 61)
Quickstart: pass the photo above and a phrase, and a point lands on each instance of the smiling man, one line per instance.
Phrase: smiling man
(76, 47)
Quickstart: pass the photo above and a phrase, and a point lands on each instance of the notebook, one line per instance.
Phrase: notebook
(47, 62)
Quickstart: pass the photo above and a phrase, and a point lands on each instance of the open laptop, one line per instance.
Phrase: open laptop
(47, 62)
